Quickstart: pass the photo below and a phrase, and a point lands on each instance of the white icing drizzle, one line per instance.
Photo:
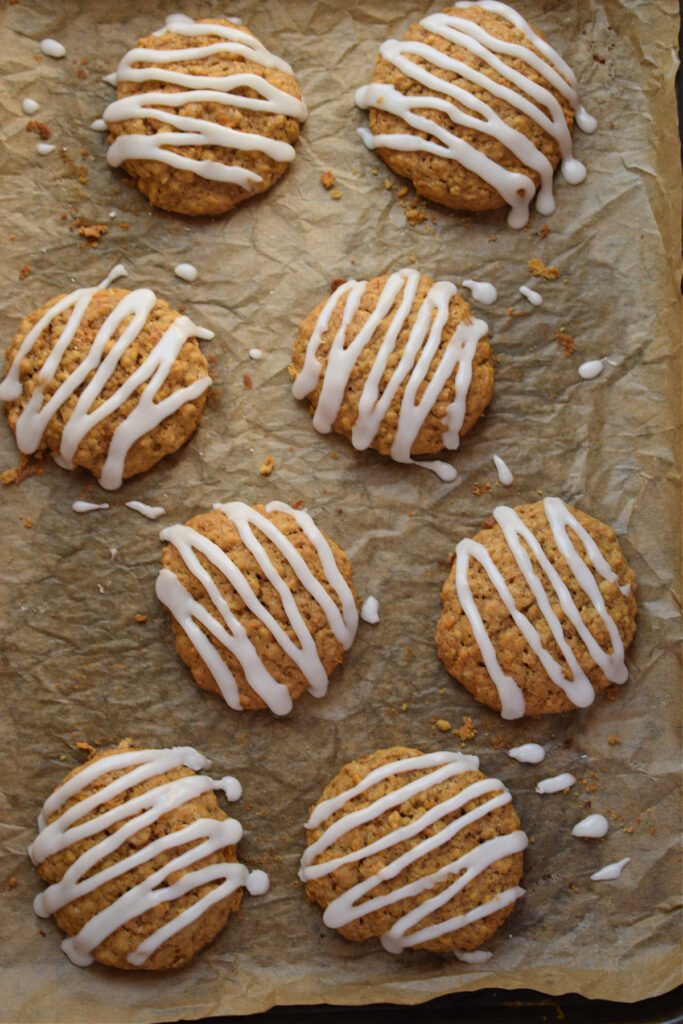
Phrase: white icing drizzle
(466, 109)
(110, 79)
(149, 511)
(504, 474)
(482, 291)
(370, 610)
(226, 627)
(533, 296)
(52, 48)
(43, 148)
(29, 106)
(578, 687)
(555, 784)
(193, 131)
(476, 956)
(420, 349)
(255, 353)
(595, 826)
(528, 753)
(134, 815)
(99, 364)
(610, 871)
(98, 125)
(592, 369)
(186, 271)
(352, 904)
(88, 506)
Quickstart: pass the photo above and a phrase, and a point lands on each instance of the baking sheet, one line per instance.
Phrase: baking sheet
(77, 666)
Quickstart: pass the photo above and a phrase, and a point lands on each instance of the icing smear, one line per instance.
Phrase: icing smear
(412, 368)
(194, 132)
(225, 628)
(96, 368)
(467, 110)
(358, 900)
(119, 822)
(576, 685)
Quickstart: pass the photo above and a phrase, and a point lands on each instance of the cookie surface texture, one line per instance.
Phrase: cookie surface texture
(397, 363)
(476, 109)
(419, 850)
(106, 379)
(538, 610)
(140, 859)
(205, 116)
(262, 603)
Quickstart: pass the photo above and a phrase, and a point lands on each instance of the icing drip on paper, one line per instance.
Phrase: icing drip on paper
(555, 784)
(52, 48)
(43, 148)
(592, 369)
(370, 610)
(196, 131)
(186, 271)
(482, 291)
(354, 904)
(528, 753)
(477, 956)
(578, 687)
(98, 125)
(504, 474)
(134, 815)
(226, 628)
(98, 365)
(29, 106)
(595, 826)
(533, 296)
(412, 368)
(88, 506)
(610, 871)
(149, 511)
(468, 110)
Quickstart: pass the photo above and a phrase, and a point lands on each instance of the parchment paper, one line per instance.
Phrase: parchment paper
(78, 667)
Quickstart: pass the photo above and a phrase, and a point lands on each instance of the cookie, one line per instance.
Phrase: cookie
(476, 109)
(538, 610)
(106, 379)
(205, 116)
(140, 859)
(262, 603)
(397, 364)
(419, 850)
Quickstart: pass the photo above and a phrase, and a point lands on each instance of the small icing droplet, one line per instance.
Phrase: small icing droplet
(258, 882)
(611, 871)
(534, 298)
(149, 511)
(482, 291)
(504, 474)
(591, 369)
(99, 125)
(255, 353)
(51, 48)
(528, 753)
(112, 213)
(43, 148)
(29, 106)
(185, 271)
(556, 784)
(477, 956)
(595, 826)
(370, 612)
(111, 79)
(88, 506)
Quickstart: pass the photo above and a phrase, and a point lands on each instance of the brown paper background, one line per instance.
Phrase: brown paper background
(76, 666)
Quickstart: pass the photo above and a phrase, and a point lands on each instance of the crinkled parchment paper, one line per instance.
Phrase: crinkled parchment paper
(77, 665)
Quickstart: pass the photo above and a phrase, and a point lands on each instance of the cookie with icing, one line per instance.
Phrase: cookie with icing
(262, 603)
(205, 116)
(397, 363)
(106, 379)
(538, 610)
(140, 859)
(422, 851)
(476, 109)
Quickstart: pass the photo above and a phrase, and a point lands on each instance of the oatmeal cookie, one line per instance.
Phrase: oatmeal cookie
(476, 109)
(539, 608)
(262, 603)
(106, 379)
(397, 364)
(420, 850)
(205, 116)
(140, 859)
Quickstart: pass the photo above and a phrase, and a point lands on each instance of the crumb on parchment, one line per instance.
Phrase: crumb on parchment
(539, 269)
